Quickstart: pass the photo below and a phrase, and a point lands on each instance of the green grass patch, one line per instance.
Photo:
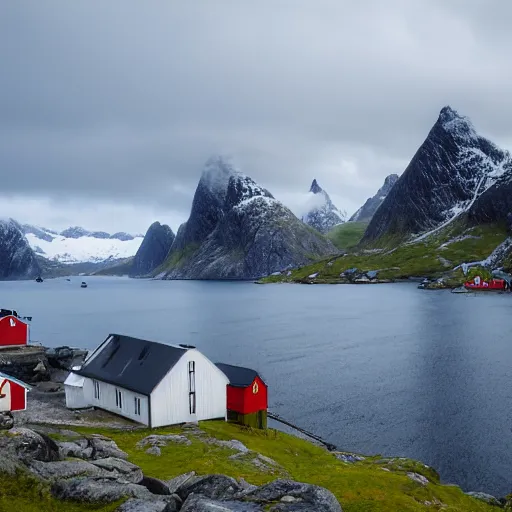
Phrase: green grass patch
(347, 235)
(23, 493)
(361, 487)
(432, 257)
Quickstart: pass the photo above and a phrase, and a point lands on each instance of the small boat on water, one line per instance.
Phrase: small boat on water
(39, 279)
(460, 289)
(83, 285)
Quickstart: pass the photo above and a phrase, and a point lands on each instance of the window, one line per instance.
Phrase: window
(119, 399)
(137, 406)
(96, 385)
(192, 387)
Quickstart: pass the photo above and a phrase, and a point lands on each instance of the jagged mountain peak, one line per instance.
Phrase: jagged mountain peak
(315, 187)
(449, 172)
(321, 213)
(456, 124)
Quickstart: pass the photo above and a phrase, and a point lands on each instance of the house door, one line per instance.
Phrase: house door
(5, 395)
(192, 388)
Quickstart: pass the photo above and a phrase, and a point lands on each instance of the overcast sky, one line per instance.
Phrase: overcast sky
(108, 109)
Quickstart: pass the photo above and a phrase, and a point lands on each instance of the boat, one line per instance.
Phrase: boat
(39, 279)
(83, 285)
(460, 289)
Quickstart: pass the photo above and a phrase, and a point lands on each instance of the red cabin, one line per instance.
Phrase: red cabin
(13, 394)
(479, 284)
(13, 331)
(247, 396)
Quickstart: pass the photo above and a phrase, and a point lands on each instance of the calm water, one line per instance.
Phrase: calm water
(374, 369)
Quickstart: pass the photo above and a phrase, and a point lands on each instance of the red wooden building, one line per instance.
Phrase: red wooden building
(13, 331)
(247, 396)
(13, 394)
(479, 284)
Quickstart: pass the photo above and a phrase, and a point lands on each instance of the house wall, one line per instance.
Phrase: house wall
(245, 401)
(13, 331)
(170, 399)
(15, 398)
(75, 398)
(107, 401)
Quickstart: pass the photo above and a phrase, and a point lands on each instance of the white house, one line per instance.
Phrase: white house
(151, 383)
(74, 388)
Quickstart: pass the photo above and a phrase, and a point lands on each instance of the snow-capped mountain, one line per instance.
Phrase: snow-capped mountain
(449, 175)
(321, 212)
(17, 259)
(77, 245)
(238, 230)
(367, 211)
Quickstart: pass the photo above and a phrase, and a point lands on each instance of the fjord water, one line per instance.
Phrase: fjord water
(386, 369)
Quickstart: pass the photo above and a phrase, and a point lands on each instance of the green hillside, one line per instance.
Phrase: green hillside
(347, 235)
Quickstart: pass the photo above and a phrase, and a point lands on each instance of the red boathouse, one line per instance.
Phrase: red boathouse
(13, 394)
(479, 284)
(247, 396)
(13, 331)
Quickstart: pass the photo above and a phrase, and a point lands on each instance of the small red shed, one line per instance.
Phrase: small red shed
(247, 396)
(13, 394)
(13, 331)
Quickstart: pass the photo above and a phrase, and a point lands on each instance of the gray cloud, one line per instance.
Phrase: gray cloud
(121, 102)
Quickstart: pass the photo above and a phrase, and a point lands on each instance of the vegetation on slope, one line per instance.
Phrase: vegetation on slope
(120, 268)
(431, 257)
(348, 235)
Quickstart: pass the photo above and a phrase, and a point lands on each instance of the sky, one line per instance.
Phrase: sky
(108, 110)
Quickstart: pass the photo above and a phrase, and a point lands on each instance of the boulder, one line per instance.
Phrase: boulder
(6, 421)
(98, 490)
(64, 469)
(103, 447)
(121, 469)
(420, 479)
(196, 503)
(155, 486)
(217, 487)
(135, 505)
(10, 464)
(487, 498)
(163, 440)
(310, 497)
(29, 445)
(80, 448)
(154, 450)
(179, 481)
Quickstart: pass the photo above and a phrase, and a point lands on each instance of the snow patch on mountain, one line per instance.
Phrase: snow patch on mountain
(81, 246)
(321, 214)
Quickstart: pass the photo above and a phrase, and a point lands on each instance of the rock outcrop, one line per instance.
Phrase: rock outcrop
(367, 211)
(449, 175)
(110, 479)
(17, 259)
(322, 215)
(238, 230)
(154, 249)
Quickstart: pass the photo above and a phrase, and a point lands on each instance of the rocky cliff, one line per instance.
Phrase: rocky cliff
(367, 211)
(17, 259)
(153, 250)
(238, 230)
(322, 215)
(452, 169)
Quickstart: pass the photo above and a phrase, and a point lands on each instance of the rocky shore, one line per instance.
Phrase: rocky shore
(92, 469)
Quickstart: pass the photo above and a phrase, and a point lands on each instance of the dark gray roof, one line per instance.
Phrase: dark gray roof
(237, 375)
(131, 363)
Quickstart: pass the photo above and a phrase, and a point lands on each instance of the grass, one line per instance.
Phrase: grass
(348, 235)
(431, 257)
(360, 487)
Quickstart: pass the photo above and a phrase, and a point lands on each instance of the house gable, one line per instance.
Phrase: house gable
(170, 402)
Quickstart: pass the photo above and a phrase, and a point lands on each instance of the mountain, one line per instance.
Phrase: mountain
(322, 214)
(77, 245)
(449, 175)
(238, 230)
(154, 249)
(367, 211)
(17, 259)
